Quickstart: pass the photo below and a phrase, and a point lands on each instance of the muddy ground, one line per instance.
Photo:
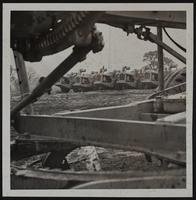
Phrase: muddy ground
(109, 159)
(49, 104)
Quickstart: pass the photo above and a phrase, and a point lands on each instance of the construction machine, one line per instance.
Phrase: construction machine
(155, 127)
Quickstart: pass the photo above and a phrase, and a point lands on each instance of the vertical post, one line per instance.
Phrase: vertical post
(22, 79)
(160, 60)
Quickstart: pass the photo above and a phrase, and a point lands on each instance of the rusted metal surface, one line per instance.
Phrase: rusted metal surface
(164, 139)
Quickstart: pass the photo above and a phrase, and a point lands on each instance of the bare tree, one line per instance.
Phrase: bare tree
(151, 57)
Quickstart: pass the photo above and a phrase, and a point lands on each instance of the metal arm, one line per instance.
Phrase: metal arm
(144, 33)
(78, 55)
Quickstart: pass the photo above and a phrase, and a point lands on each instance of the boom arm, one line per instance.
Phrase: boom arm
(39, 33)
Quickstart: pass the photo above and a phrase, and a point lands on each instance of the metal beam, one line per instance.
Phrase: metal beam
(172, 19)
(156, 182)
(91, 176)
(77, 55)
(160, 60)
(22, 79)
(171, 90)
(158, 138)
(152, 116)
(175, 118)
(131, 111)
(154, 38)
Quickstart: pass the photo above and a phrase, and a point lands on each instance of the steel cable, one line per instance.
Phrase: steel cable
(178, 45)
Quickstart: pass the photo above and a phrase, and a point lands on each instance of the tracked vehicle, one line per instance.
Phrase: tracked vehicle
(82, 82)
(155, 127)
(149, 79)
(126, 80)
(64, 84)
(105, 80)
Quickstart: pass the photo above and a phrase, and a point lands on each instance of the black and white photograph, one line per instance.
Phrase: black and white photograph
(97, 99)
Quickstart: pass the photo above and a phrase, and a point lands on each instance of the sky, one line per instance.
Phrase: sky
(119, 50)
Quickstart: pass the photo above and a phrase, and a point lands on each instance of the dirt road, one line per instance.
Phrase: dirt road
(49, 104)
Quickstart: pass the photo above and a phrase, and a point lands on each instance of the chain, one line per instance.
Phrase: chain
(62, 31)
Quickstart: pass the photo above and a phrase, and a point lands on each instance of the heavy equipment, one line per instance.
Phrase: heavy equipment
(105, 81)
(82, 82)
(149, 79)
(155, 127)
(64, 84)
(126, 79)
